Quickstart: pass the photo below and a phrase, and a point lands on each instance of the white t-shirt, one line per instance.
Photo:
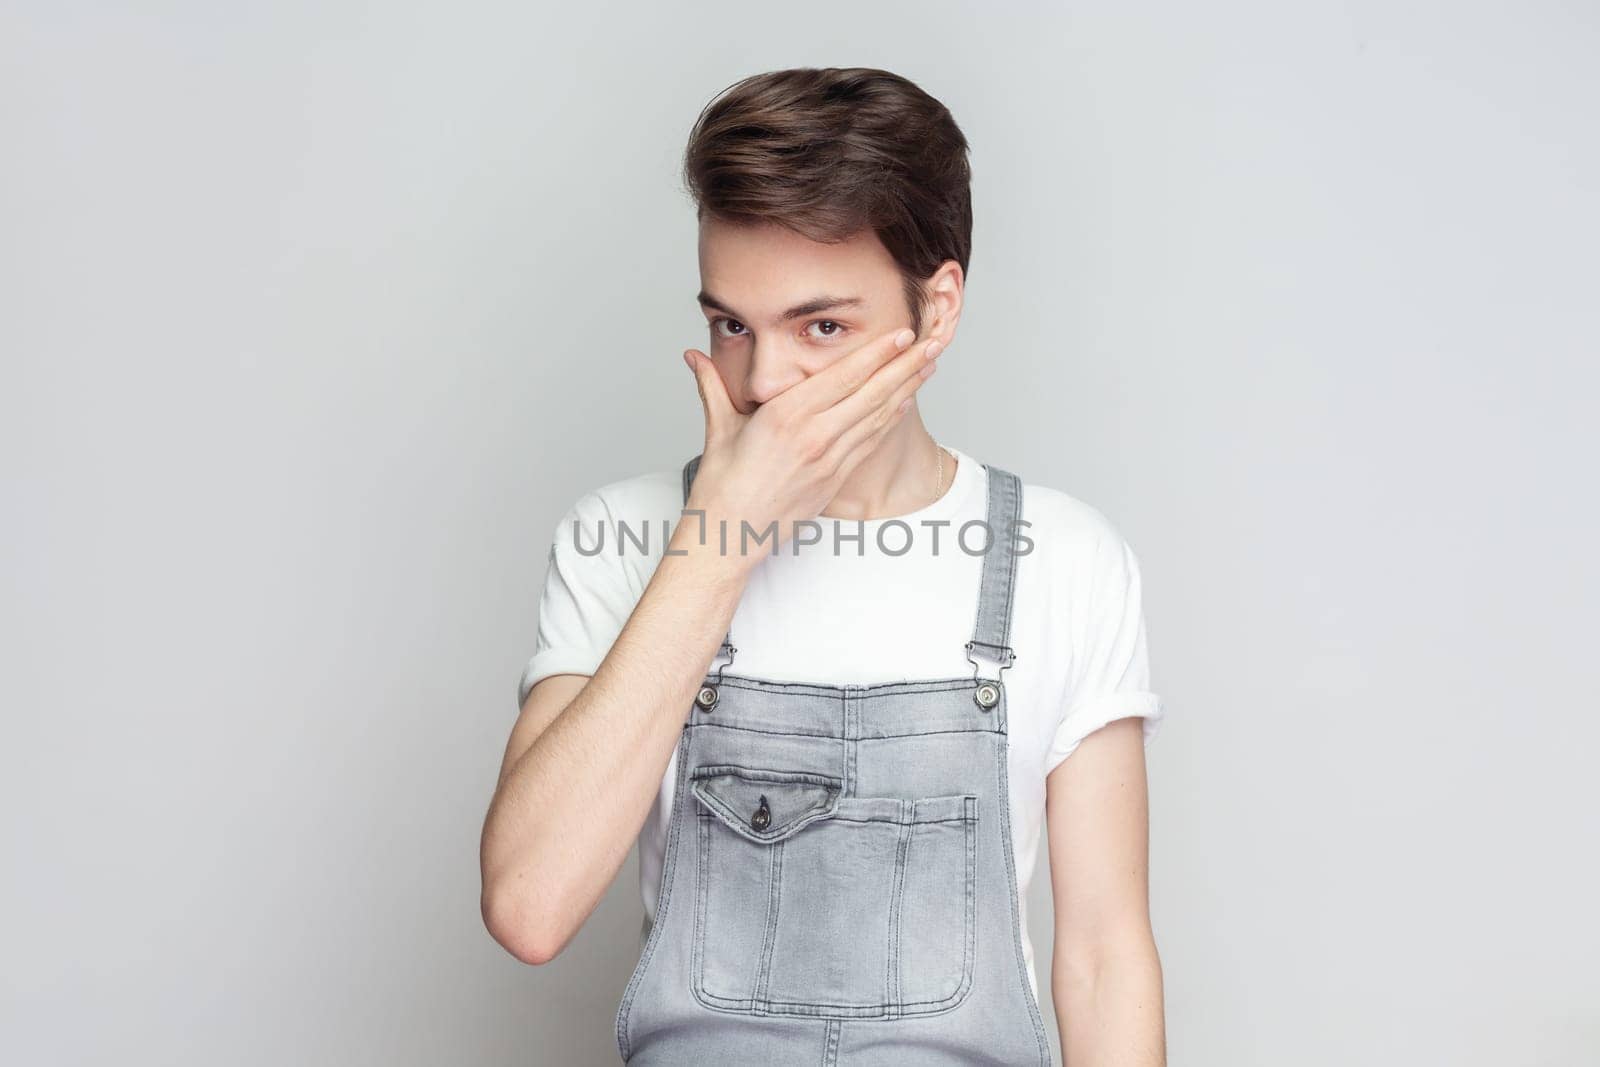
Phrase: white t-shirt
(893, 610)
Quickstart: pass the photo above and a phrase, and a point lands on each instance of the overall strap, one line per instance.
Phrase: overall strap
(992, 628)
(689, 470)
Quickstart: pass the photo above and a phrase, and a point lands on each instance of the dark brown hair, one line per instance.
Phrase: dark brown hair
(829, 152)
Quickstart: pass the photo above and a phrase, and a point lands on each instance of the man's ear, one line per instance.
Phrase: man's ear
(942, 297)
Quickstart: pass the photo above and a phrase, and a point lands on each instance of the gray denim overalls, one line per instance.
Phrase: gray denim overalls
(837, 885)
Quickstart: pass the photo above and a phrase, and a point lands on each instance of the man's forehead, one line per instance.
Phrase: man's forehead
(769, 273)
(768, 247)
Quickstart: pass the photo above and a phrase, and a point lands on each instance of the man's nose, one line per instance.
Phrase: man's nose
(772, 370)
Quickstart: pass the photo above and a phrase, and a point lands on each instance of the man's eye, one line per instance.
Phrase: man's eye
(835, 331)
(728, 322)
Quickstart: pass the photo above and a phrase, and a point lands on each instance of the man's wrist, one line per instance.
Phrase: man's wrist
(715, 549)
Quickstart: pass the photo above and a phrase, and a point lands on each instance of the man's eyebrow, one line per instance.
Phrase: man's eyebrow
(799, 311)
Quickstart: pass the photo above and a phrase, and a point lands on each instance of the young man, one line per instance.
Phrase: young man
(836, 706)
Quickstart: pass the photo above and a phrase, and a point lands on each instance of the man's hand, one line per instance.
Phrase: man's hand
(788, 460)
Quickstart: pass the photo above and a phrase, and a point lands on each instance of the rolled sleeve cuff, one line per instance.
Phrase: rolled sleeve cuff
(1089, 715)
(556, 661)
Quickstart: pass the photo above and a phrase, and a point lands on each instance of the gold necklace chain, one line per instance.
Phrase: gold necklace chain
(939, 487)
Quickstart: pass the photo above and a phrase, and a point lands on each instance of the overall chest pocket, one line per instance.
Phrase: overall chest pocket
(815, 904)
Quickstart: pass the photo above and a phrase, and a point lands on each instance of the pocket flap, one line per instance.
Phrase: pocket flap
(765, 805)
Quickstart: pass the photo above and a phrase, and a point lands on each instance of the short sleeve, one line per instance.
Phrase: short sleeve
(1110, 674)
(586, 599)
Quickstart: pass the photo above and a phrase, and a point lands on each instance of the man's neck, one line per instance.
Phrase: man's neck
(899, 476)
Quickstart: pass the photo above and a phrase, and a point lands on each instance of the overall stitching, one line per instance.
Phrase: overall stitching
(774, 902)
(1011, 886)
(852, 742)
(982, 729)
(892, 965)
(855, 692)
(830, 1043)
(765, 774)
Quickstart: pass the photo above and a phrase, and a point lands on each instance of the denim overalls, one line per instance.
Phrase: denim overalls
(837, 886)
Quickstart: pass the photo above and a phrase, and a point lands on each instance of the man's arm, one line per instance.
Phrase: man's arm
(585, 759)
(1105, 972)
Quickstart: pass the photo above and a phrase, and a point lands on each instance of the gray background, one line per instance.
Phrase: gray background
(316, 318)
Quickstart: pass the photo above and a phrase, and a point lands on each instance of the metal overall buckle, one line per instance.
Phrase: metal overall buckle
(988, 692)
(708, 695)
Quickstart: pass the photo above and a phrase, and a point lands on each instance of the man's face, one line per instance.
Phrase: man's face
(781, 307)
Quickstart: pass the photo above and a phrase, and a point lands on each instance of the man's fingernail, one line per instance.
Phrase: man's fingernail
(688, 361)
(903, 338)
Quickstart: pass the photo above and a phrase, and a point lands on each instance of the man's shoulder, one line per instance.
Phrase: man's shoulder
(647, 496)
(621, 524)
(1076, 547)
(1064, 521)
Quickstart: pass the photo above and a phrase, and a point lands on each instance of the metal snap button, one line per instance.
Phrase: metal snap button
(988, 695)
(763, 817)
(707, 697)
